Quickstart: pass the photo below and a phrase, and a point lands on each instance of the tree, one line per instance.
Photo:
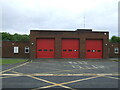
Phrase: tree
(115, 39)
(6, 36)
(25, 37)
(15, 37)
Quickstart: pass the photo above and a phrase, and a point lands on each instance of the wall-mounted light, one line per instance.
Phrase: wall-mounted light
(106, 44)
(13, 44)
(32, 43)
(105, 33)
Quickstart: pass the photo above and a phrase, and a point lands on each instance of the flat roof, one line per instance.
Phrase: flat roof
(69, 30)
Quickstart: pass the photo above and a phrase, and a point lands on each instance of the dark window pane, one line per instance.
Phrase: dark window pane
(88, 50)
(69, 50)
(51, 50)
(99, 50)
(64, 50)
(45, 49)
(39, 49)
(26, 50)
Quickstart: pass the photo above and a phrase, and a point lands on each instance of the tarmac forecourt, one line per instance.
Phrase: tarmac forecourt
(60, 75)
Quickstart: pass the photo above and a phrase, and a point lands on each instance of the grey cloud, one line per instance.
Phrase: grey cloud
(21, 20)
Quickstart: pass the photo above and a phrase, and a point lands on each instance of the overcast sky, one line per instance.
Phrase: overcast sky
(20, 16)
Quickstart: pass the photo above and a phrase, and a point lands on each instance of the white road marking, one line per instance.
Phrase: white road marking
(80, 67)
(87, 67)
(85, 62)
(82, 62)
(79, 62)
(75, 62)
(94, 66)
(70, 62)
(101, 66)
(73, 66)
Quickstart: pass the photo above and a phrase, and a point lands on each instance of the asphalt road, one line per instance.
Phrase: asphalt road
(61, 73)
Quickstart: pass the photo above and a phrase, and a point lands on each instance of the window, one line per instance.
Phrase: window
(99, 50)
(64, 50)
(88, 50)
(69, 50)
(45, 49)
(116, 50)
(39, 49)
(16, 49)
(26, 49)
(51, 50)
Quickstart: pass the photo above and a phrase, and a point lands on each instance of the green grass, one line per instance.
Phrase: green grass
(117, 60)
(11, 61)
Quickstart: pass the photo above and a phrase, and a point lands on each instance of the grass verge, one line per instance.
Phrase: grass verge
(117, 60)
(11, 61)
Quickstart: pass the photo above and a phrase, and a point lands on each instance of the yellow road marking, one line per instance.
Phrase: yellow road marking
(23, 65)
(111, 77)
(69, 82)
(81, 79)
(61, 84)
(43, 80)
(48, 86)
(84, 74)
(48, 82)
(10, 74)
(14, 67)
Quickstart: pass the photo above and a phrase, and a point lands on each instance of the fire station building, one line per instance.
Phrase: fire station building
(81, 43)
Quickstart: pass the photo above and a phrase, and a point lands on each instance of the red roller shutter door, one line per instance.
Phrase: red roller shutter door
(94, 49)
(45, 48)
(70, 48)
